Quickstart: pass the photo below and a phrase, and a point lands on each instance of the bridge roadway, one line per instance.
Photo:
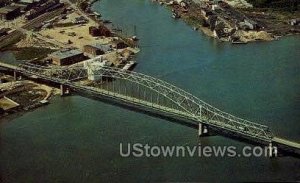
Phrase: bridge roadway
(203, 116)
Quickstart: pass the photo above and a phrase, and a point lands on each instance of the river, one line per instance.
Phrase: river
(77, 139)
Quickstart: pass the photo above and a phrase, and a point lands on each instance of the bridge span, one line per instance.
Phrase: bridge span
(144, 91)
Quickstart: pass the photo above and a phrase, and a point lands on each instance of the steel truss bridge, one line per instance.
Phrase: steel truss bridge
(146, 91)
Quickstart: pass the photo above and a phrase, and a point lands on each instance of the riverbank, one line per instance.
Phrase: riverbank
(234, 24)
(22, 95)
(86, 5)
(76, 28)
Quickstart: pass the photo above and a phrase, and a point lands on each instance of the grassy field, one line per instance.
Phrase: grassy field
(31, 53)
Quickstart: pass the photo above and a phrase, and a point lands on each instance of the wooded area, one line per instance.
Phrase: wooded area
(291, 5)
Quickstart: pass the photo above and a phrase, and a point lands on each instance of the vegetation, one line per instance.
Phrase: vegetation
(31, 53)
(289, 5)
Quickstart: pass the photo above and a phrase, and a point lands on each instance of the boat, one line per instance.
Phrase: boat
(134, 38)
(238, 42)
(175, 15)
(106, 21)
(97, 14)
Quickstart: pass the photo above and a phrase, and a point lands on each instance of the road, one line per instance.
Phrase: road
(75, 7)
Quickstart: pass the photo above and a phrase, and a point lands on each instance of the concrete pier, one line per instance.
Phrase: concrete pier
(64, 90)
(272, 150)
(202, 130)
(15, 75)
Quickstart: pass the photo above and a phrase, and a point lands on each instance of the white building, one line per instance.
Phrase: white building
(94, 66)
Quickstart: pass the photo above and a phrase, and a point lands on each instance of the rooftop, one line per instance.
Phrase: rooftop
(65, 53)
(8, 9)
(103, 47)
(4, 30)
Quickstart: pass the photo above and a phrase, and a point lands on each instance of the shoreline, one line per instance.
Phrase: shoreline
(190, 14)
(49, 90)
(38, 94)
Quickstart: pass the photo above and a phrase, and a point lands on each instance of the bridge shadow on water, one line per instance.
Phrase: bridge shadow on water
(213, 131)
(139, 109)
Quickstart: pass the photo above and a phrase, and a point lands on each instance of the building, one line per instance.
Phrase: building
(247, 25)
(206, 13)
(66, 57)
(100, 31)
(212, 21)
(182, 3)
(93, 67)
(295, 22)
(118, 44)
(3, 3)
(4, 31)
(2, 111)
(29, 4)
(7, 104)
(96, 49)
(9, 12)
(80, 20)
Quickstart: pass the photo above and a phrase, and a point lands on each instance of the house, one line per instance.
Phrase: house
(9, 12)
(96, 49)
(66, 57)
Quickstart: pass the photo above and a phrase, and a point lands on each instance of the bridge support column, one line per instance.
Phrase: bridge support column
(272, 151)
(64, 90)
(202, 130)
(15, 75)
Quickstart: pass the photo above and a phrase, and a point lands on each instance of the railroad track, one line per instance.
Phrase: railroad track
(17, 34)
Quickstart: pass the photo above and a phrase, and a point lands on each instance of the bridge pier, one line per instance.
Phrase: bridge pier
(202, 130)
(15, 75)
(64, 90)
(272, 151)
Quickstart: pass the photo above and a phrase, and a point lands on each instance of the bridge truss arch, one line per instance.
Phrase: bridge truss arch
(147, 91)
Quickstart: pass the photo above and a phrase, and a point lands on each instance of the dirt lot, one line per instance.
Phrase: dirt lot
(77, 34)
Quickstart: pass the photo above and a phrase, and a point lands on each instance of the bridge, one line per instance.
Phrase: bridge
(145, 91)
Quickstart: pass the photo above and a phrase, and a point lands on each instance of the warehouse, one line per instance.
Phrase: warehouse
(66, 57)
(9, 12)
(96, 49)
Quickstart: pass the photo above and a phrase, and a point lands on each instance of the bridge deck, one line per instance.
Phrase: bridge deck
(8, 66)
(287, 143)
